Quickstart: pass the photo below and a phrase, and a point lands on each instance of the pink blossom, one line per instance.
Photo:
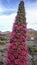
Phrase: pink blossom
(18, 23)
(20, 63)
(25, 63)
(18, 28)
(20, 57)
(25, 58)
(22, 47)
(16, 61)
(15, 54)
(23, 25)
(11, 56)
(25, 29)
(8, 62)
(19, 50)
(15, 26)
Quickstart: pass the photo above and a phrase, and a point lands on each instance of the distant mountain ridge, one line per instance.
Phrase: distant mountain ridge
(31, 29)
(32, 33)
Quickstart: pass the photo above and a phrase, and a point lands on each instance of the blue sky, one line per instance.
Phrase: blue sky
(8, 11)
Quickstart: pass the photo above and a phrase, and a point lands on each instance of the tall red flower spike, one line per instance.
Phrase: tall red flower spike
(17, 51)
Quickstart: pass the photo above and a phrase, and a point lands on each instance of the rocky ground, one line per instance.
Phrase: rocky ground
(3, 54)
(32, 55)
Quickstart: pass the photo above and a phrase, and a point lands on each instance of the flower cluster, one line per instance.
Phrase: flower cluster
(17, 50)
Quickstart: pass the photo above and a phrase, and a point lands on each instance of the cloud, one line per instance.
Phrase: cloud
(4, 11)
(31, 16)
(6, 22)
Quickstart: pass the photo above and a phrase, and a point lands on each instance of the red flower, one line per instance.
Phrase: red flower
(18, 23)
(11, 56)
(11, 47)
(24, 25)
(19, 50)
(21, 47)
(16, 61)
(8, 62)
(25, 58)
(24, 43)
(18, 28)
(20, 63)
(15, 54)
(25, 63)
(20, 57)
(15, 26)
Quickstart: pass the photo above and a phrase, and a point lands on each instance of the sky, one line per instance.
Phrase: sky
(8, 12)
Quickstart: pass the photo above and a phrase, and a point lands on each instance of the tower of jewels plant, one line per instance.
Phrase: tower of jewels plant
(17, 50)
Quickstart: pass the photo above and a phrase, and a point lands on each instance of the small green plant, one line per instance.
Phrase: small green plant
(32, 49)
(2, 42)
(3, 38)
(1, 63)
